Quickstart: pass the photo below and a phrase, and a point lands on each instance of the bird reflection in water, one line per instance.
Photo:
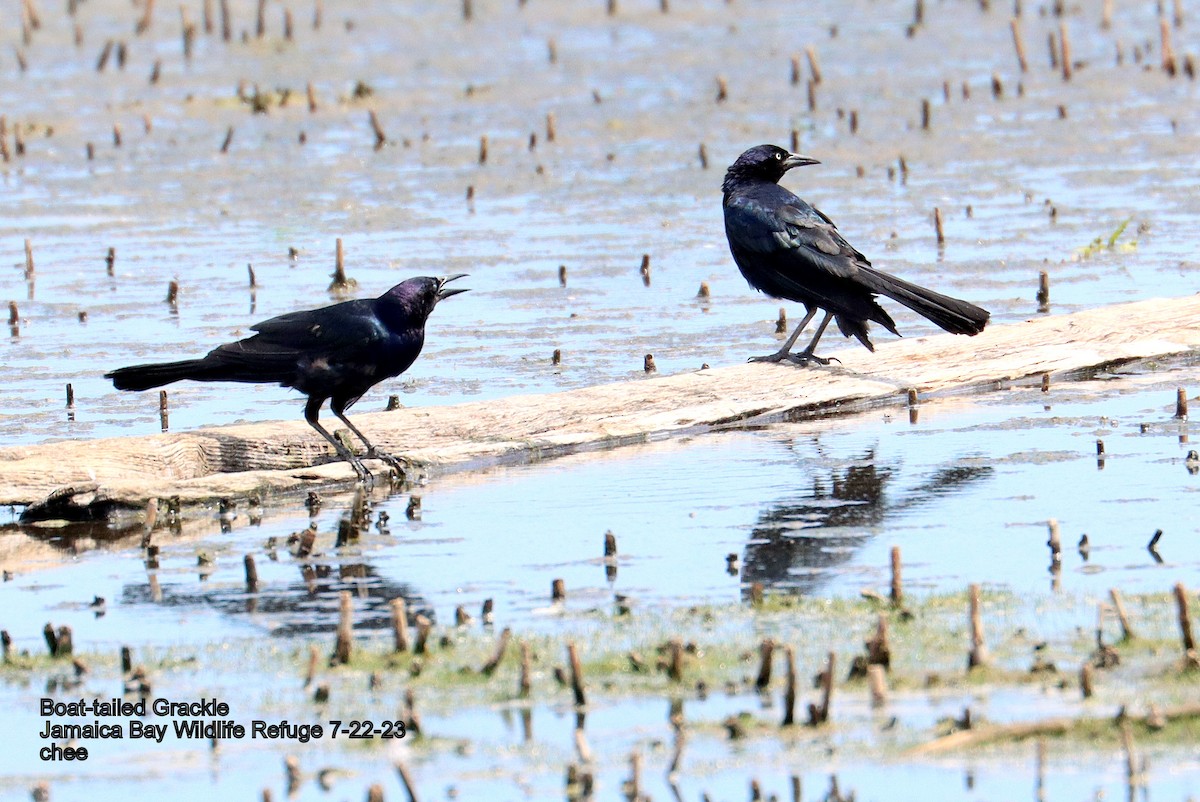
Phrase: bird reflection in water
(797, 545)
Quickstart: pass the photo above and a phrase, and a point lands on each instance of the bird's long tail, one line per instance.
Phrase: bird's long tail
(953, 315)
(145, 377)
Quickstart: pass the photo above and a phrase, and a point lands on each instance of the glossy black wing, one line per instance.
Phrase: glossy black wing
(331, 333)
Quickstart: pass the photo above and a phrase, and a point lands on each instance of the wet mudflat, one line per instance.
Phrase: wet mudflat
(1040, 175)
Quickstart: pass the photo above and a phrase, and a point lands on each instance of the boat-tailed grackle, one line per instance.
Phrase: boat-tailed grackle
(334, 353)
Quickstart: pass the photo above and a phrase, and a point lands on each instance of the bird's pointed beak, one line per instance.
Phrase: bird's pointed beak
(796, 160)
(444, 293)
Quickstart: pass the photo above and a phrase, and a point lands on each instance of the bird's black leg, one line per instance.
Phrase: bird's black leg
(403, 467)
(785, 352)
(311, 412)
(807, 354)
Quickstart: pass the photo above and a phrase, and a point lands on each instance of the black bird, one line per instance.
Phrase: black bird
(789, 249)
(336, 352)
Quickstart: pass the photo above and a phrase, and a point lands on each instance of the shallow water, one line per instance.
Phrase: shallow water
(807, 508)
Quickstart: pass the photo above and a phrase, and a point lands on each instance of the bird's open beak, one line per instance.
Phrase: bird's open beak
(796, 160)
(444, 293)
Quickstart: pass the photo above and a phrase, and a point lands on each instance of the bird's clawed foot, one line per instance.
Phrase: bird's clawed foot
(776, 357)
(402, 466)
(800, 358)
(804, 357)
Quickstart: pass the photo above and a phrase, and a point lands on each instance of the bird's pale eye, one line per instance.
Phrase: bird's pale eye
(778, 157)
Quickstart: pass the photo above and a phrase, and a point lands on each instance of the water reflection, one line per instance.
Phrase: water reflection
(303, 601)
(797, 544)
(303, 606)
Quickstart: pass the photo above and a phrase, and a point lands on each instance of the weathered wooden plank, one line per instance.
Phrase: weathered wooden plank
(279, 456)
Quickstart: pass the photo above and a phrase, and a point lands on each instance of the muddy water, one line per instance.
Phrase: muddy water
(621, 179)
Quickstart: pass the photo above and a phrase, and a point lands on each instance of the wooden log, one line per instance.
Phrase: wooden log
(278, 456)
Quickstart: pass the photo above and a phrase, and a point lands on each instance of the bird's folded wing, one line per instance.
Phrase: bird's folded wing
(815, 234)
(790, 236)
(333, 327)
(316, 334)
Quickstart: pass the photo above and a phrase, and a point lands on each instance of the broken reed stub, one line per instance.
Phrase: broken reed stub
(1169, 64)
(756, 594)
(814, 64)
(1018, 44)
(938, 229)
(819, 714)
(1181, 403)
(400, 623)
(1185, 622)
(340, 282)
(766, 653)
(424, 627)
(610, 544)
(897, 578)
(877, 683)
(1043, 293)
(1118, 603)
(251, 574)
(675, 661)
(978, 656)
(1065, 53)
(490, 666)
(576, 675)
(1086, 687)
(1054, 539)
(345, 629)
(377, 128)
(558, 591)
(789, 690)
(524, 685)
